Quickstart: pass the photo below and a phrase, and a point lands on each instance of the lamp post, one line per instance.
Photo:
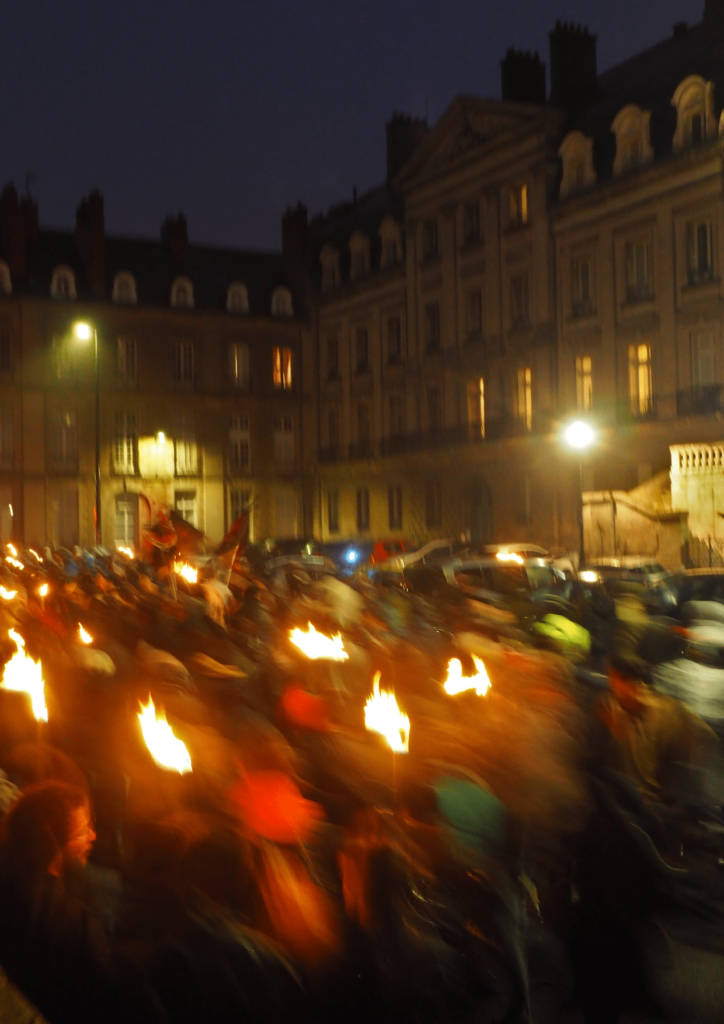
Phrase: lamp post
(84, 332)
(580, 436)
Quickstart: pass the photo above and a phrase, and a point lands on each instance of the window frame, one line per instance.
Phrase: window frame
(282, 367)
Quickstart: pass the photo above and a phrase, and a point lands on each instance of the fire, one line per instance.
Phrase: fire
(7, 595)
(83, 636)
(126, 551)
(166, 749)
(509, 556)
(316, 645)
(25, 675)
(382, 715)
(12, 549)
(188, 572)
(456, 682)
(15, 562)
(43, 590)
(35, 554)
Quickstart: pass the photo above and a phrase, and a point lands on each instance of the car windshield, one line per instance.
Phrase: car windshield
(541, 576)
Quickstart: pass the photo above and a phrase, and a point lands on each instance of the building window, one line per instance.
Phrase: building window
(397, 415)
(237, 298)
(239, 364)
(363, 509)
(185, 504)
(699, 251)
(524, 408)
(333, 432)
(362, 350)
(432, 327)
(333, 511)
(281, 303)
(638, 270)
(124, 289)
(240, 501)
(124, 447)
(695, 120)
(240, 444)
(62, 285)
(394, 506)
(284, 442)
(7, 447)
(185, 448)
(64, 441)
(639, 379)
(182, 294)
(430, 250)
(518, 205)
(584, 383)
(126, 367)
(332, 357)
(394, 340)
(433, 503)
(471, 223)
(434, 410)
(519, 301)
(282, 368)
(703, 358)
(6, 350)
(126, 521)
(476, 407)
(581, 286)
(473, 314)
(364, 427)
(183, 362)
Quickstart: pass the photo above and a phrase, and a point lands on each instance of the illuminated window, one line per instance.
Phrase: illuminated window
(524, 407)
(239, 364)
(185, 502)
(584, 383)
(240, 443)
(126, 520)
(476, 407)
(518, 205)
(62, 285)
(182, 294)
(700, 262)
(282, 368)
(124, 288)
(124, 448)
(639, 379)
(185, 447)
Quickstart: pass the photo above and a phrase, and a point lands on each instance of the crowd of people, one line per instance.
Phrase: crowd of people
(548, 849)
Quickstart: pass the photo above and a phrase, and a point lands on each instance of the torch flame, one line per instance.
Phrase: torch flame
(7, 595)
(166, 749)
(382, 715)
(15, 562)
(456, 682)
(125, 551)
(12, 549)
(83, 636)
(25, 675)
(43, 590)
(35, 554)
(509, 556)
(188, 572)
(316, 645)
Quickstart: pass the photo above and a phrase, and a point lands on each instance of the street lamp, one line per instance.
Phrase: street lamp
(84, 332)
(580, 436)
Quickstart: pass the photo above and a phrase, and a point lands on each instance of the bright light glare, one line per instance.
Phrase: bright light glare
(7, 595)
(352, 556)
(382, 715)
(509, 556)
(43, 590)
(589, 576)
(12, 549)
(160, 437)
(579, 435)
(83, 331)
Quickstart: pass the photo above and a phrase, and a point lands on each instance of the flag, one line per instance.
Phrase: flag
(190, 540)
(237, 536)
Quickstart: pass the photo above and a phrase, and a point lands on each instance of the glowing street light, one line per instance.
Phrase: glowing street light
(84, 332)
(580, 436)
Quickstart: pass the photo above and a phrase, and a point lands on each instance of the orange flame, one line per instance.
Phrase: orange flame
(7, 595)
(43, 590)
(456, 682)
(24, 675)
(188, 572)
(166, 749)
(125, 551)
(382, 715)
(12, 549)
(316, 645)
(15, 562)
(83, 636)
(509, 556)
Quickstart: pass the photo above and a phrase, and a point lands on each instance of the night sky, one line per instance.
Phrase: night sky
(234, 109)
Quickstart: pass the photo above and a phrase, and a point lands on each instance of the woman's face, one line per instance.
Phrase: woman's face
(82, 836)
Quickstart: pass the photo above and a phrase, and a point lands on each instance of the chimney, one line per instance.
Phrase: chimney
(29, 213)
(404, 135)
(296, 252)
(174, 235)
(714, 16)
(90, 238)
(523, 77)
(574, 75)
(13, 236)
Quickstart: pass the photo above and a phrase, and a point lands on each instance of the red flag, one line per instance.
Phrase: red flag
(237, 536)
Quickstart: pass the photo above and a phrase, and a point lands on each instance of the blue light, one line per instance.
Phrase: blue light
(352, 555)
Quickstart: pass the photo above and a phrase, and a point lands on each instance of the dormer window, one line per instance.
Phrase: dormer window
(633, 142)
(237, 298)
(62, 285)
(329, 258)
(182, 294)
(694, 102)
(391, 242)
(6, 287)
(124, 289)
(359, 250)
(576, 154)
(281, 303)
(518, 205)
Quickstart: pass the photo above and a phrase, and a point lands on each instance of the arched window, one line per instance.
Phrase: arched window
(237, 298)
(62, 285)
(359, 251)
(182, 294)
(391, 238)
(281, 303)
(124, 288)
(633, 142)
(694, 102)
(576, 153)
(6, 286)
(329, 258)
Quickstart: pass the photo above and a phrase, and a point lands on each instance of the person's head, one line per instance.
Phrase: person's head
(47, 829)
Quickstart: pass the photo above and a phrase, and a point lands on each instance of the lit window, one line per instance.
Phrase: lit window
(185, 448)
(281, 304)
(584, 383)
(239, 364)
(241, 500)
(473, 314)
(433, 503)
(638, 273)
(524, 409)
(476, 407)
(394, 504)
(363, 509)
(284, 454)
(126, 520)
(62, 285)
(519, 301)
(183, 362)
(182, 294)
(631, 127)
(282, 368)
(518, 205)
(432, 327)
(699, 251)
(124, 289)
(185, 502)
(430, 250)
(576, 153)
(333, 511)
(694, 103)
(362, 350)
(239, 443)
(471, 223)
(581, 286)
(639, 378)
(124, 448)
(237, 298)
(126, 359)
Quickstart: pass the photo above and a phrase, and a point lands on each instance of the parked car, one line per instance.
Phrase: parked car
(436, 549)
(348, 555)
(626, 569)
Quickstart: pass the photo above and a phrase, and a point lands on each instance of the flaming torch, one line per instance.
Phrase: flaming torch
(166, 749)
(7, 595)
(25, 675)
(83, 636)
(188, 572)
(456, 682)
(125, 551)
(317, 646)
(12, 549)
(383, 716)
